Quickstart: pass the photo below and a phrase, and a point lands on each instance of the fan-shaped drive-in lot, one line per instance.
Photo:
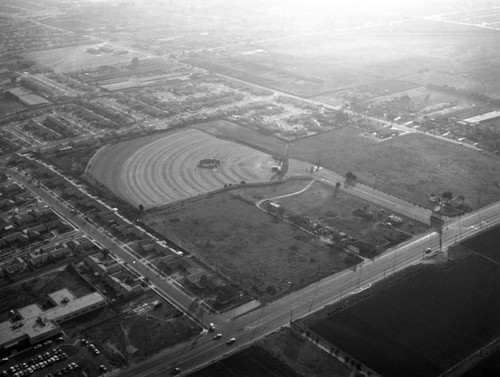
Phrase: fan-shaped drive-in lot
(161, 169)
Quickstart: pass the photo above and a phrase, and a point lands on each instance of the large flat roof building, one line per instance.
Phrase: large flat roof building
(37, 324)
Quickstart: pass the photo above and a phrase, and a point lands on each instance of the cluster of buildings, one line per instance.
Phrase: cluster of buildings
(113, 274)
(32, 324)
(25, 227)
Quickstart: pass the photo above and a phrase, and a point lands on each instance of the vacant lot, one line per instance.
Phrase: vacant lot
(139, 330)
(358, 218)
(160, 169)
(70, 59)
(410, 166)
(255, 250)
(423, 325)
(244, 135)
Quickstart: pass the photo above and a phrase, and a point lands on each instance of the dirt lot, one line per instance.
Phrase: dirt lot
(160, 169)
(409, 167)
(37, 289)
(257, 251)
(410, 328)
(279, 354)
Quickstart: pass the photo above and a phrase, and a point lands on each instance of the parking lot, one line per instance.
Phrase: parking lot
(58, 357)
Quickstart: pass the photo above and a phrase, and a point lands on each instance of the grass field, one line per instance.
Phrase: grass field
(70, 59)
(9, 105)
(424, 324)
(160, 169)
(255, 250)
(409, 167)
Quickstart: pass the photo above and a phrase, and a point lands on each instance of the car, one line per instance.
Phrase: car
(231, 341)
(211, 327)
(96, 352)
(74, 365)
(60, 339)
(217, 336)
(84, 342)
(91, 346)
(175, 371)
(38, 346)
(103, 368)
(47, 342)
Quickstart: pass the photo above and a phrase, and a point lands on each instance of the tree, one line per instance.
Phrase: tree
(447, 195)
(141, 208)
(135, 61)
(350, 176)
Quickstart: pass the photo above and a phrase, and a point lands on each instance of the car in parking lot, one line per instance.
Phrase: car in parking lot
(103, 368)
(231, 341)
(217, 336)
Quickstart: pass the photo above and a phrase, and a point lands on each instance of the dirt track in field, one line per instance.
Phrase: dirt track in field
(161, 169)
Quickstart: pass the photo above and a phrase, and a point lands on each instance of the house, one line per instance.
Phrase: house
(172, 262)
(38, 257)
(102, 264)
(59, 252)
(124, 283)
(81, 244)
(16, 265)
(226, 294)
